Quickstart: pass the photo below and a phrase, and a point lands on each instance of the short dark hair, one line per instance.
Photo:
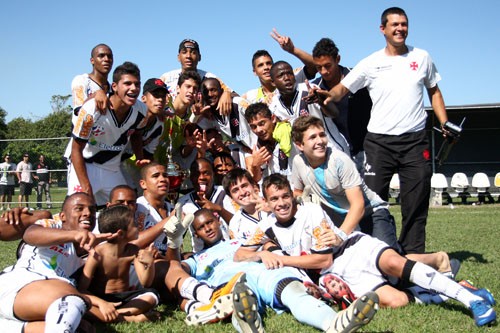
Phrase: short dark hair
(202, 211)
(194, 168)
(127, 68)
(94, 49)
(302, 124)
(276, 64)
(203, 88)
(275, 179)
(255, 109)
(325, 47)
(187, 75)
(258, 54)
(233, 176)
(144, 169)
(390, 11)
(120, 187)
(70, 196)
(115, 218)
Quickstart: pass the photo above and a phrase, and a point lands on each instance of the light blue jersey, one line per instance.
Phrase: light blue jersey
(216, 267)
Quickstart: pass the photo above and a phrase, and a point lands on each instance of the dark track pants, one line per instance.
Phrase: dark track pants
(409, 156)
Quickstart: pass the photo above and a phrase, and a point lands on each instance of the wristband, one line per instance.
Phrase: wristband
(341, 234)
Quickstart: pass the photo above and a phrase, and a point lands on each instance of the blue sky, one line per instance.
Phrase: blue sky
(46, 43)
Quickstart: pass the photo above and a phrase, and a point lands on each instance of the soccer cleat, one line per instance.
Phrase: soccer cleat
(227, 288)
(317, 292)
(338, 289)
(483, 313)
(220, 306)
(357, 315)
(246, 309)
(217, 310)
(481, 292)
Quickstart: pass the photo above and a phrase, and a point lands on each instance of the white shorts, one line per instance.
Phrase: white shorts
(357, 264)
(102, 181)
(11, 283)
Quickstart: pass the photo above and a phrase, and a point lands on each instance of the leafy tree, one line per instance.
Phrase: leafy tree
(55, 125)
(60, 103)
(3, 129)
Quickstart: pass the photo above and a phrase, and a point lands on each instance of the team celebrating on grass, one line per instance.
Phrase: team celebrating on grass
(282, 192)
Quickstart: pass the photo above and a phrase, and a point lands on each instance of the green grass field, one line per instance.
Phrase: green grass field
(468, 233)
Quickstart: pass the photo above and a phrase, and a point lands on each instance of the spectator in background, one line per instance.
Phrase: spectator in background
(23, 170)
(7, 182)
(43, 178)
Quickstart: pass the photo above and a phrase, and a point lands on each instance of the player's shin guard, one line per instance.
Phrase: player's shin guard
(64, 314)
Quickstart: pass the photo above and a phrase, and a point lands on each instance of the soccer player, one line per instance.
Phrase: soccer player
(206, 195)
(37, 296)
(364, 262)
(98, 141)
(189, 56)
(280, 289)
(261, 65)
(242, 188)
(290, 102)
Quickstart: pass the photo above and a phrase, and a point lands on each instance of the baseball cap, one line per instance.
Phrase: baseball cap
(154, 84)
(194, 45)
(26, 155)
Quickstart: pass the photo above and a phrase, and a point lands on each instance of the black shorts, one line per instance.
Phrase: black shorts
(25, 188)
(127, 296)
(6, 189)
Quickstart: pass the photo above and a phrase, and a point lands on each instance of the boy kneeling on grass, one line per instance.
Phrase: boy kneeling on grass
(106, 272)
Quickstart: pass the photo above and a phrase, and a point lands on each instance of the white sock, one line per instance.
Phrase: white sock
(305, 308)
(64, 314)
(194, 290)
(428, 278)
(191, 305)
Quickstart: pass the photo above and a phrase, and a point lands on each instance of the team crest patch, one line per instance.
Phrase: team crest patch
(413, 66)
(426, 154)
(77, 188)
(235, 122)
(98, 131)
(303, 113)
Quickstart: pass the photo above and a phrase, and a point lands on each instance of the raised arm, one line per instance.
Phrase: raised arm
(287, 45)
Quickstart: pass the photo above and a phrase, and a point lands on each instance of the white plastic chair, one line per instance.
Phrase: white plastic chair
(439, 182)
(481, 183)
(460, 183)
(439, 185)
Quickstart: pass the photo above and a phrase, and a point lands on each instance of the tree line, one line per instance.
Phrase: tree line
(55, 125)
